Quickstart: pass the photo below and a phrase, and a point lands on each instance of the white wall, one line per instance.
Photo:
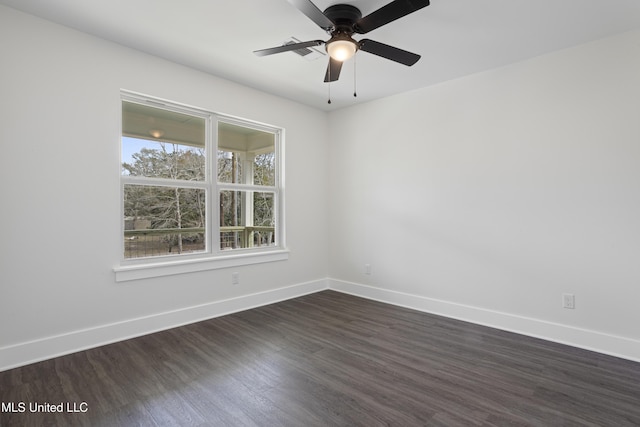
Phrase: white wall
(487, 197)
(59, 172)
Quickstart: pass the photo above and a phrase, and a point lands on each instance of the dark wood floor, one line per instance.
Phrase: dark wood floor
(328, 359)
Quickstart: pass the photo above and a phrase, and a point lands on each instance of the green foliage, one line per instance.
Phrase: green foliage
(175, 207)
(178, 163)
(166, 207)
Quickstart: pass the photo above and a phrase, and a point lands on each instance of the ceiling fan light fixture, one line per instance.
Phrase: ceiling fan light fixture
(341, 48)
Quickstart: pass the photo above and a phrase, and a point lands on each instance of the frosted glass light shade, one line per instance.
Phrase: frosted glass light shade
(341, 50)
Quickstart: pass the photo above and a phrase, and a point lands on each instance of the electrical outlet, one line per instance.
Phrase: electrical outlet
(569, 301)
(235, 278)
(367, 269)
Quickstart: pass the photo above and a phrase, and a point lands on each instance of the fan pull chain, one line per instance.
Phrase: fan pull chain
(329, 83)
(354, 77)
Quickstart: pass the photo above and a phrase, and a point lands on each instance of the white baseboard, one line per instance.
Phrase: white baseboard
(622, 347)
(46, 348)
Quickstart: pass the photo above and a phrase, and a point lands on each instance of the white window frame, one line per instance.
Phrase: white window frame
(212, 257)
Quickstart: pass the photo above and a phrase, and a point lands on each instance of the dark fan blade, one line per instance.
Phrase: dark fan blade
(287, 48)
(333, 70)
(313, 13)
(392, 11)
(389, 52)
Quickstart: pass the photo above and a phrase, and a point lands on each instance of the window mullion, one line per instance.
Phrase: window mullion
(213, 217)
(246, 187)
(163, 182)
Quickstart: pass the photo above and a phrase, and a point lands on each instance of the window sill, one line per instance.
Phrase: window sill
(126, 273)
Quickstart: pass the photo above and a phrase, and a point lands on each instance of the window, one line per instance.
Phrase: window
(246, 170)
(197, 186)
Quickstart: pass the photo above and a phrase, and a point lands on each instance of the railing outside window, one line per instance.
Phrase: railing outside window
(169, 241)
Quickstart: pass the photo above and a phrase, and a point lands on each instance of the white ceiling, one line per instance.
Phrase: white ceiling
(454, 37)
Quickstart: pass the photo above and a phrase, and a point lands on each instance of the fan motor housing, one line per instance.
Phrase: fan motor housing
(344, 15)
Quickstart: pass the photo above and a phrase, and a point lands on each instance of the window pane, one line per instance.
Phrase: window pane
(163, 220)
(245, 155)
(247, 219)
(155, 159)
(160, 143)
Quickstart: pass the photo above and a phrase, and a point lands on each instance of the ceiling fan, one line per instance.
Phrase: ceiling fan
(341, 21)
